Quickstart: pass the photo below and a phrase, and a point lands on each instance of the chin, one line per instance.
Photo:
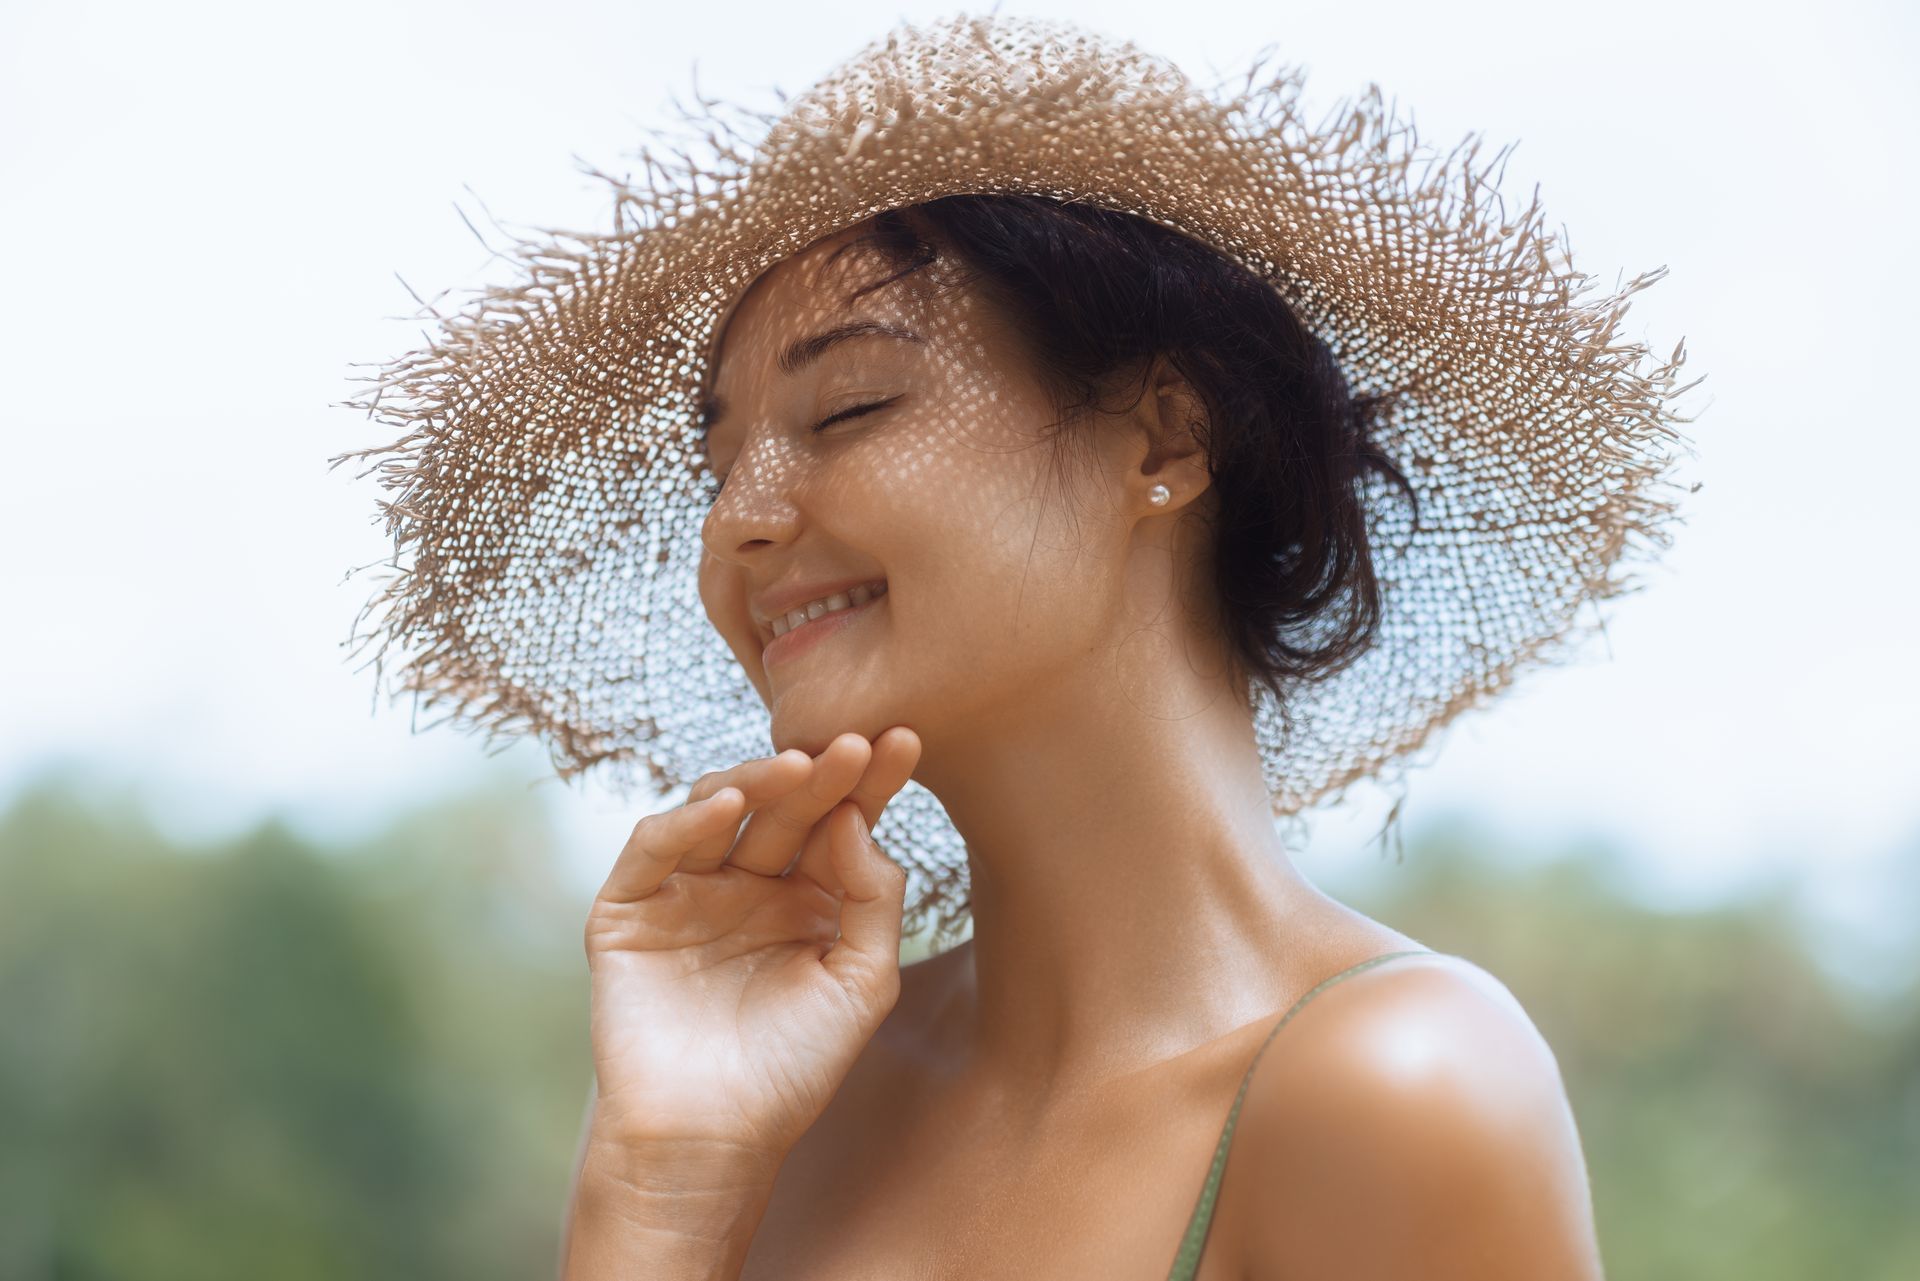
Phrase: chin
(811, 734)
(812, 714)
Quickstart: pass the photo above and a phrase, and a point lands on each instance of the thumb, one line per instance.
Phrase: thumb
(866, 959)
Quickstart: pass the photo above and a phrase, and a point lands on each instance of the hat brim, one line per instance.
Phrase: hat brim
(545, 514)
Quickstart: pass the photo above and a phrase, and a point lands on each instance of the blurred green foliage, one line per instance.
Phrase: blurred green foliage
(266, 1060)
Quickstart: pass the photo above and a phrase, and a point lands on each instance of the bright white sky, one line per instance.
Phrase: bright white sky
(205, 208)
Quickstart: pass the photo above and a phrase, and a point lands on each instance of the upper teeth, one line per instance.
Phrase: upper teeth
(826, 605)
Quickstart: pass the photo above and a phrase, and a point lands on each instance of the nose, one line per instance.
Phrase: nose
(754, 509)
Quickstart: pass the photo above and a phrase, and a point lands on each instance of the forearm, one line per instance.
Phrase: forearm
(680, 1217)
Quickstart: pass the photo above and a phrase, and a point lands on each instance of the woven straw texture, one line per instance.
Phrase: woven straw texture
(544, 494)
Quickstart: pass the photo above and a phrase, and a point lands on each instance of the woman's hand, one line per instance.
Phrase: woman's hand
(731, 995)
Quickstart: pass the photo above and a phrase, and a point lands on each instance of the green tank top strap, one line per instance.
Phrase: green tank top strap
(1187, 1261)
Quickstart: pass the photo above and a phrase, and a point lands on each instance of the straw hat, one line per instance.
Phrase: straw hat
(546, 491)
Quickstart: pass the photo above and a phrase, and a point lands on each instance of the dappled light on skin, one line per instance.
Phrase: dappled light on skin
(1012, 565)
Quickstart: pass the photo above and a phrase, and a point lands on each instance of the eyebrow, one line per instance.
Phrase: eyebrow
(806, 351)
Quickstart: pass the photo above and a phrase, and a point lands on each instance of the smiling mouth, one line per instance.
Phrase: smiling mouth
(803, 636)
(858, 597)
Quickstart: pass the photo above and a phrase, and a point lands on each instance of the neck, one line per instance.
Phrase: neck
(1131, 900)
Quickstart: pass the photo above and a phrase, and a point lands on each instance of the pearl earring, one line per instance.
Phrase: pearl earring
(1159, 495)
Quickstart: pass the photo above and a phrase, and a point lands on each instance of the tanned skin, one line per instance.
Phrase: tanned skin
(1043, 1100)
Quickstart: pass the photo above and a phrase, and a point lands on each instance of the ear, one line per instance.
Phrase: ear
(1174, 417)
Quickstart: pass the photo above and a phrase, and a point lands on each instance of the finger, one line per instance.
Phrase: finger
(775, 831)
(658, 847)
(866, 959)
(660, 841)
(895, 754)
(765, 782)
(748, 774)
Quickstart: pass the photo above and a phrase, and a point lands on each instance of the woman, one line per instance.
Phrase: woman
(1035, 615)
(1082, 521)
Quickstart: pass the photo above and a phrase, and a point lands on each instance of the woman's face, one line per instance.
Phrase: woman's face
(912, 454)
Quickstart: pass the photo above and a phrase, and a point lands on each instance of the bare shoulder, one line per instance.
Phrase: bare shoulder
(1411, 1121)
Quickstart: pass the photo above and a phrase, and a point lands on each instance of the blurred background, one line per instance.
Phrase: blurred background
(290, 990)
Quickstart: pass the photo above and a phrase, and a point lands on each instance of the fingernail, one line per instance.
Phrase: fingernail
(860, 821)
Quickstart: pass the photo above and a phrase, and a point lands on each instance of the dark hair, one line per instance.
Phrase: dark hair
(1097, 293)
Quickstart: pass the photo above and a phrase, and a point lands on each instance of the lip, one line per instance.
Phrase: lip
(770, 605)
(800, 639)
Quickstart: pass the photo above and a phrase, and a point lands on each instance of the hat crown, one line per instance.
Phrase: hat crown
(546, 511)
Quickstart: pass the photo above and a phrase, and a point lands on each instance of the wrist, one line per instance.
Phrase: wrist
(686, 1213)
(677, 1170)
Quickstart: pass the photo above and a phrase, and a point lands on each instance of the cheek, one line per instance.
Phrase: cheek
(1006, 584)
(711, 582)
(994, 570)
(724, 598)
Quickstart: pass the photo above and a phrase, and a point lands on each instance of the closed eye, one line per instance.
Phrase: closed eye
(711, 487)
(854, 412)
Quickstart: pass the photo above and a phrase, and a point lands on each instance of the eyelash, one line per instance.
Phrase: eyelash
(711, 485)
